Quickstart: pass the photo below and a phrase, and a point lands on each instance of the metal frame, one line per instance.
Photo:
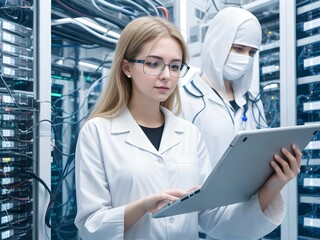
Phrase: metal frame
(288, 83)
(42, 90)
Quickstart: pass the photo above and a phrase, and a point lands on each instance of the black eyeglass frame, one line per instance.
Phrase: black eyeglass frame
(164, 65)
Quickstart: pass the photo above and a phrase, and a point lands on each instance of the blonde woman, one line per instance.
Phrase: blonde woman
(134, 155)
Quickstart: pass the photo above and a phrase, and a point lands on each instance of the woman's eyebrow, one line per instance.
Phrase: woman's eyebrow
(158, 57)
(154, 56)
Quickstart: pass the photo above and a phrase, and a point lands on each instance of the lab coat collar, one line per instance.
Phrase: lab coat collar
(171, 136)
(206, 90)
(173, 130)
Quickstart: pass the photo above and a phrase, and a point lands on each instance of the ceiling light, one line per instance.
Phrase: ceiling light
(89, 65)
(97, 27)
(88, 23)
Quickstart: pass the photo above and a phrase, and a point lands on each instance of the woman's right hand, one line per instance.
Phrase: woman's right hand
(137, 209)
(154, 202)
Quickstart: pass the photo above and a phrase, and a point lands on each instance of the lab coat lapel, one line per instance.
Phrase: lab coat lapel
(135, 136)
(206, 90)
(172, 133)
(125, 123)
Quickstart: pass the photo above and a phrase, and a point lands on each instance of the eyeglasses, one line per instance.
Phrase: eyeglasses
(154, 66)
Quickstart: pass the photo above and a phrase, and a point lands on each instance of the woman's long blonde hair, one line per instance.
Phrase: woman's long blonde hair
(117, 92)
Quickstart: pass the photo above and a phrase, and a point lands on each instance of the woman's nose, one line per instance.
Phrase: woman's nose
(165, 71)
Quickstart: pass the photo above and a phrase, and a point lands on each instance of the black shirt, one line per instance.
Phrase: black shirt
(234, 105)
(154, 135)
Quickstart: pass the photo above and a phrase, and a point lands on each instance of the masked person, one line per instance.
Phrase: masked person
(217, 100)
(134, 154)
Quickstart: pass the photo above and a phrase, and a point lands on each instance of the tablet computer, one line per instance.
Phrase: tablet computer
(242, 170)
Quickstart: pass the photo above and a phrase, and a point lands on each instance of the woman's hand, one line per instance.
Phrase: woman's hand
(156, 201)
(285, 170)
(137, 209)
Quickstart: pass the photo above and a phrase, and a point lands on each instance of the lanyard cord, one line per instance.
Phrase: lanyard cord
(245, 107)
(201, 96)
(225, 105)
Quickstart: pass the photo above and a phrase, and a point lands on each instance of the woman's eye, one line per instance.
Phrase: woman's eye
(175, 67)
(152, 64)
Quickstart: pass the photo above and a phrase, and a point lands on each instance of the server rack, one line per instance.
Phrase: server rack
(308, 96)
(24, 127)
(17, 111)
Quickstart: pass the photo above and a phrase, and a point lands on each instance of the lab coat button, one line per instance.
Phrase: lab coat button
(160, 160)
(171, 219)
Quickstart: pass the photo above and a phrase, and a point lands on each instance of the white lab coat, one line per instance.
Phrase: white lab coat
(116, 164)
(218, 124)
(217, 121)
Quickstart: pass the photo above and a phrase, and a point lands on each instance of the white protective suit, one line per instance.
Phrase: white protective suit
(211, 112)
(117, 164)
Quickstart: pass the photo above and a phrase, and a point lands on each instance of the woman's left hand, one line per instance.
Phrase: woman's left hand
(285, 170)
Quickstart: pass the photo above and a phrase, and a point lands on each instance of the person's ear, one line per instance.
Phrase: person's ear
(126, 68)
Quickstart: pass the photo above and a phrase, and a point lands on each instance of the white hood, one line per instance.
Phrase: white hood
(230, 25)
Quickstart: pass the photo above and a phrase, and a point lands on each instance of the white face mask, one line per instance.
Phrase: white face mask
(236, 66)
